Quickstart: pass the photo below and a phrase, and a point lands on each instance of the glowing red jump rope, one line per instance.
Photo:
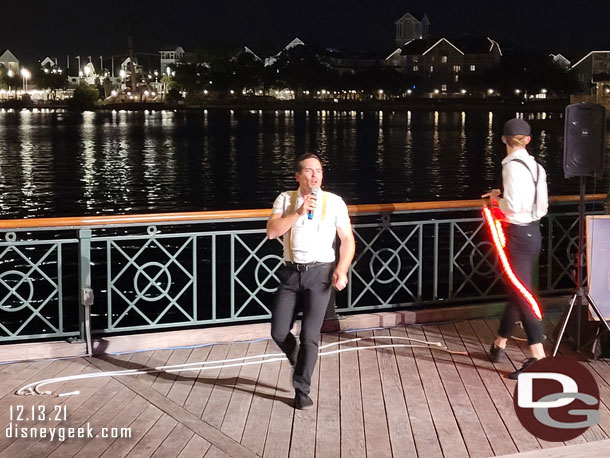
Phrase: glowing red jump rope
(499, 241)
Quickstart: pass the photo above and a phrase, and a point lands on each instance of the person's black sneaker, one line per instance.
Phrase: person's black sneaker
(526, 364)
(302, 401)
(497, 354)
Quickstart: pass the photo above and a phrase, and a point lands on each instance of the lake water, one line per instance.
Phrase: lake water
(93, 163)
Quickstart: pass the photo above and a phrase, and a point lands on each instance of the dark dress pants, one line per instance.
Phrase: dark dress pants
(314, 287)
(523, 245)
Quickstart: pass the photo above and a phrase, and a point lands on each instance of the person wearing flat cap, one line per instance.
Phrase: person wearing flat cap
(524, 201)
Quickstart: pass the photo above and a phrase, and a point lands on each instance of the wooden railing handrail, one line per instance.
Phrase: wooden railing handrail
(185, 217)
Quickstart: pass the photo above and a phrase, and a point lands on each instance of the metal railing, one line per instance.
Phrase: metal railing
(201, 268)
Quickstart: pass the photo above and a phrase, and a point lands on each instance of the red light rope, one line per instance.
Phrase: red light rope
(499, 241)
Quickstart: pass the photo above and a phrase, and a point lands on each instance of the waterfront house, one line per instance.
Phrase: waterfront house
(9, 61)
(444, 65)
(408, 28)
(170, 56)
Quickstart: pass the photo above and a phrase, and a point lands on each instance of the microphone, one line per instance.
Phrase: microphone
(314, 192)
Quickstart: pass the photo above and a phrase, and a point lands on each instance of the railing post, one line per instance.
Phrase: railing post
(84, 286)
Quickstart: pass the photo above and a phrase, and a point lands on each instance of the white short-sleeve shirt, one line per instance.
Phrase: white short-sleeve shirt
(519, 190)
(312, 239)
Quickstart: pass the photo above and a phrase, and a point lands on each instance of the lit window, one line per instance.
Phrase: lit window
(415, 59)
(444, 59)
(415, 68)
(431, 68)
(444, 87)
(473, 68)
(457, 68)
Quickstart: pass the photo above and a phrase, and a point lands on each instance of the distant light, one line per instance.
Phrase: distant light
(463, 91)
(205, 91)
(436, 91)
(146, 93)
(154, 94)
(543, 91)
(122, 73)
(46, 70)
(409, 91)
(232, 91)
(25, 73)
(113, 93)
(490, 91)
(10, 73)
(380, 91)
(517, 91)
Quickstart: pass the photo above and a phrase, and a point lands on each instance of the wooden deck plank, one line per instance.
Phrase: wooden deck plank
(157, 358)
(420, 418)
(466, 416)
(183, 385)
(11, 447)
(445, 423)
(104, 416)
(197, 447)
(235, 418)
(179, 413)
(216, 408)
(491, 374)
(303, 443)
(33, 373)
(399, 425)
(257, 423)
(165, 380)
(214, 452)
(139, 427)
(280, 430)
(328, 434)
(80, 408)
(376, 432)
(353, 443)
(124, 419)
(153, 438)
(499, 438)
(140, 360)
(204, 384)
(174, 443)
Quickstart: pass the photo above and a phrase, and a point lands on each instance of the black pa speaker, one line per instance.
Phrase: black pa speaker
(584, 141)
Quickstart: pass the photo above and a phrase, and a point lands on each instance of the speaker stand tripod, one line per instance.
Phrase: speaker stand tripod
(581, 292)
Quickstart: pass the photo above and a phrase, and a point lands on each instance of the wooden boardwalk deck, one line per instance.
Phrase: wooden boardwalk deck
(384, 402)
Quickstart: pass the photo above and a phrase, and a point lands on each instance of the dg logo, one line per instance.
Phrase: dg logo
(557, 399)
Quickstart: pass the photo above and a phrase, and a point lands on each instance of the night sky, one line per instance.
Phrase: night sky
(35, 29)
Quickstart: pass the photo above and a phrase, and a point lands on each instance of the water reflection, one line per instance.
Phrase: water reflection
(57, 164)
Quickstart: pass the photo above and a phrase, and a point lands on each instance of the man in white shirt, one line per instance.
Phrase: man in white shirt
(524, 202)
(309, 221)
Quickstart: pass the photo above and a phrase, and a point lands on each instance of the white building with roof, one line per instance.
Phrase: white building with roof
(9, 61)
(170, 56)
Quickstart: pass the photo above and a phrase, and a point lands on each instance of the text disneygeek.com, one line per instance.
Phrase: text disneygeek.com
(20, 416)
(61, 433)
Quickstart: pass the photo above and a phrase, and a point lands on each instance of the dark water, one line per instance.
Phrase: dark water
(64, 164)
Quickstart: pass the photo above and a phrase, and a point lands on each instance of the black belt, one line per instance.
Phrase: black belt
(305, 266)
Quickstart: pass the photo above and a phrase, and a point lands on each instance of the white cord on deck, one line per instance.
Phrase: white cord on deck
(34, 388)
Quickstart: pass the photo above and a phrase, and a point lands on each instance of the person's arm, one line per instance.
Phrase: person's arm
(346, 254)
(278, 224)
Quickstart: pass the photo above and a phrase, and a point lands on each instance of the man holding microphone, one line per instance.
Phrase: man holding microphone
(309, 220)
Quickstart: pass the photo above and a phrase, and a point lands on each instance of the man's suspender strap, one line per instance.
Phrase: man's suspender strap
(292, 209)
(535, 206)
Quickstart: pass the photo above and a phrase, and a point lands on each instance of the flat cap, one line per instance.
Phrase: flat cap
(516, 126)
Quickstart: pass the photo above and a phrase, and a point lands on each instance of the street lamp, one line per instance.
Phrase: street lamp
(26, 75)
